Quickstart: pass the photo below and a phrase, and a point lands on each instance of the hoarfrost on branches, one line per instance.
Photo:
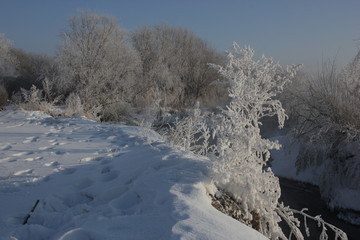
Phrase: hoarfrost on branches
(192, 133)
(241, 153)
(8, 62)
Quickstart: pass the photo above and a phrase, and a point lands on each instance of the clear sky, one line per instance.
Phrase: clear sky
(290, 31)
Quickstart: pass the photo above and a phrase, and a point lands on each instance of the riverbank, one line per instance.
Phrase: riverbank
(299, 195)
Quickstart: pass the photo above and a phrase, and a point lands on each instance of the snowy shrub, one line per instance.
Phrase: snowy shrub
(191, 133)
(151, 114)
(73, 105)
(34, 100)
(116, 112)
(241, 153)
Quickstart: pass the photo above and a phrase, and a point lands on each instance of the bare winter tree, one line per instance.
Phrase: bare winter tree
(8, 65)
(174, 62)
(325, 118)
(31, 70)
(7, 60)
(95, 60)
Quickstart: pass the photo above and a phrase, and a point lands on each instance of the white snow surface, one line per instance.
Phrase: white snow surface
(102, 181)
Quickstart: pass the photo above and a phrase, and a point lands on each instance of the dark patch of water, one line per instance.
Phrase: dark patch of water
(299, 195)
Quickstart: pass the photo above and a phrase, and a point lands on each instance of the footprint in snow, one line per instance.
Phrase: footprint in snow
(90, 159)
(23, 172)
(6, 159)
(52, 164)
(5, 147)
(105, 169)
(49, 134)
(60, 127)
(19, 154)
(68, 171)
(127, 203)
(43, 148)
(84, 183)
(108, 176)
(53, 130)
(111, 137)
(110, 195)
(87, 159)
(59, 152)
(105, 162)
(30, 139)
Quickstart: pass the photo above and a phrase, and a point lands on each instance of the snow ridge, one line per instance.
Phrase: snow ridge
(102, 181)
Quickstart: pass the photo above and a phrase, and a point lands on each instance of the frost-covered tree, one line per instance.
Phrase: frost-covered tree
(174, 63)
(95, 60)
(326, 121)
(32, 69)
(8, 62)
(240, 162)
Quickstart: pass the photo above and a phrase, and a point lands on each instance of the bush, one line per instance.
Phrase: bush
(73, 105)
(241, 153)
(191, 133)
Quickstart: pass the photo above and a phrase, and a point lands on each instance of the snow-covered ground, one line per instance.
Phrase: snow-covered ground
(102, 181)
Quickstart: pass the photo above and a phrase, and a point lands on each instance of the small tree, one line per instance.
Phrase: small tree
(241, 153)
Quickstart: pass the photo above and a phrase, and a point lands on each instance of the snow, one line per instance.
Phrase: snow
(102, 181)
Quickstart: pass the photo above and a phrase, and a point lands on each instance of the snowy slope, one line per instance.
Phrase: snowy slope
(102, 181)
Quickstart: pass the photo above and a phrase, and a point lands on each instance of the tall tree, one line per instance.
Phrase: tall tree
(175, 62)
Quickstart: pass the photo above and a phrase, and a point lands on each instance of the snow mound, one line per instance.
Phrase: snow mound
(102, 181)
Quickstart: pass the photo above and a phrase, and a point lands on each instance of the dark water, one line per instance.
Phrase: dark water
(300, 195)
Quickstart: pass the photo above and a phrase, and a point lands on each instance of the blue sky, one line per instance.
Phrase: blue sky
(302, 31)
